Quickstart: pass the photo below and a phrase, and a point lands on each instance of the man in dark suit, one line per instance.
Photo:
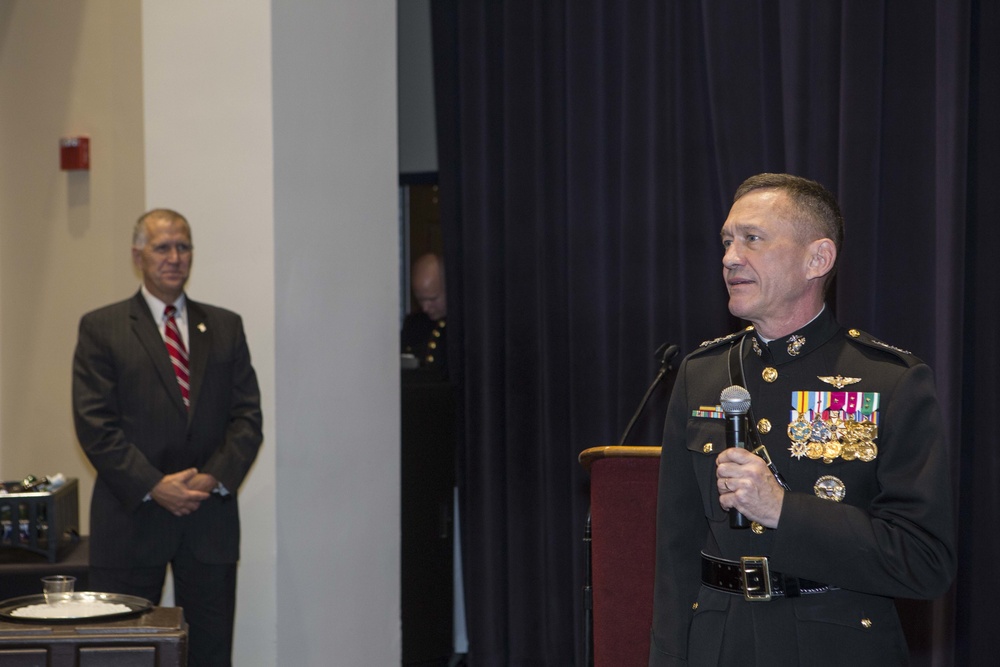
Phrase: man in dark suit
(857, 506)
(172, 434)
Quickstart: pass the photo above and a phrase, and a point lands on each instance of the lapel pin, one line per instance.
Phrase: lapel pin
(201, 327)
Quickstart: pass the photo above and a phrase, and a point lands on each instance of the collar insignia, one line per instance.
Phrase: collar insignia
(795, 345)
(838, 381)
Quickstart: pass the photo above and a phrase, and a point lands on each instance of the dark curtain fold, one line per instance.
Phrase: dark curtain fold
(588, 153)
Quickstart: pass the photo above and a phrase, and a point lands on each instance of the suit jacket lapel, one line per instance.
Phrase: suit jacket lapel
(199, 343)
(148, 333)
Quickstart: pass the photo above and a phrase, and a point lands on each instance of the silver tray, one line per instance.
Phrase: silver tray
(135, 604)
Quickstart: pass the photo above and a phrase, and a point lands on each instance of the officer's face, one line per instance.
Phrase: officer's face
(165, 260)
(432, 302)
(766, 262)
(428, 289)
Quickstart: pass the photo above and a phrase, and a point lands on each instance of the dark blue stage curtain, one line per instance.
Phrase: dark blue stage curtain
(588, 154)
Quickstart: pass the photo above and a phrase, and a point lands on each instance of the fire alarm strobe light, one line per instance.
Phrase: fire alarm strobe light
(74, 153)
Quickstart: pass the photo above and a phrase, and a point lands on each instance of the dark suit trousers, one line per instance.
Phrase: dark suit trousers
(206, 592)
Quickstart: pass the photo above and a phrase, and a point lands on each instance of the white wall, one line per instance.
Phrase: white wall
(65, 69)
(272, 126)
(336, 275)
(207, 102)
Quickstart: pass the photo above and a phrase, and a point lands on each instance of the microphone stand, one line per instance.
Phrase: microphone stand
(665, 353)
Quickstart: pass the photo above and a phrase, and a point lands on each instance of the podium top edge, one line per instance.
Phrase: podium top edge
(588, 456)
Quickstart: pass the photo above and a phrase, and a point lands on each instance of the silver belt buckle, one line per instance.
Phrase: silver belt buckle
(756, 565)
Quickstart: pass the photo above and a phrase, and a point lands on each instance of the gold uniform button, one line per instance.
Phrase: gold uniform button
(764, 426)
(441, 324)
(769, 374)
(707, 448)
(437, 333)
(854, 333)
(430, 358)
(757, 528)
(866, 623)
(433, 345)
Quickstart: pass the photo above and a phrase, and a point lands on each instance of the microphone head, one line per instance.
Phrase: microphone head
(666, 352)
(735, 400)
(669, 354)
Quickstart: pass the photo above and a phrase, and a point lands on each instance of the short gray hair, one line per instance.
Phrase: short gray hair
(817, 206)
(811, 199)
(140, 234)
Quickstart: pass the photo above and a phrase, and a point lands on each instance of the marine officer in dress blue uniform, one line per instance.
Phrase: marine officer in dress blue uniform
(845, 482)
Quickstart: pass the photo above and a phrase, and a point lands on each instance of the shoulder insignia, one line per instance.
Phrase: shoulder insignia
(723, 339)
(871, 341)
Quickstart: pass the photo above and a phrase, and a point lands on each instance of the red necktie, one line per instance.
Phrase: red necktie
(178, 354)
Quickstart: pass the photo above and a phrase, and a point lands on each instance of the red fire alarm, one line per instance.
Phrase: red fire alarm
(74, 153)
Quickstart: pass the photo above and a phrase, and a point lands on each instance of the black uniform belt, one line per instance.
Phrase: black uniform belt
(752, 577)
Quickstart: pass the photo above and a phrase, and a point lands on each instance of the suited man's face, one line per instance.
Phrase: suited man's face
(165, 260)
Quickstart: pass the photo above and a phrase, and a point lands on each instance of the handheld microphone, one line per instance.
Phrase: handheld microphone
(735, 401)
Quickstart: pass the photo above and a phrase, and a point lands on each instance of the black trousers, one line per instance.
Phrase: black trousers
(833, 629)
(206, 592)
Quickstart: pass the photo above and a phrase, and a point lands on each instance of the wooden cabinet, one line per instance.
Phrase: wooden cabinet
(157, 638)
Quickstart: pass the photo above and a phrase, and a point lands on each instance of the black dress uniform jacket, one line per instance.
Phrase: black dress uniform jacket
(426, 339)
(891, 535)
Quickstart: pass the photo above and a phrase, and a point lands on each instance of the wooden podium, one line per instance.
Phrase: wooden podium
(623, 487)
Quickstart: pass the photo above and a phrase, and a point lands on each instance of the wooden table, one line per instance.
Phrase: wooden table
(157, 638)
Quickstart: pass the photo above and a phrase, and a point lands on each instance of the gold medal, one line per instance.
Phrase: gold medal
(851, 432)
(846, 434)
(869, 431)
(800, 430)
(867, 451)
(831, 450)
(820, 431)
(836, 426)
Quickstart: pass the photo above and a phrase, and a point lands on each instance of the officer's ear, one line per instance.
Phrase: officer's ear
(822, 256)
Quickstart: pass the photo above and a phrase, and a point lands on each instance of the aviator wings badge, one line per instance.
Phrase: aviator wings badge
(838, 381)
